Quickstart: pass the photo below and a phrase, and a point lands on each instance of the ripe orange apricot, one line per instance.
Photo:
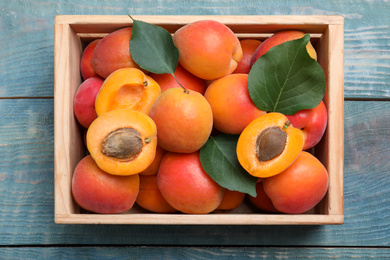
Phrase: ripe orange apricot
(86, 68)
(249, 47)
(127, 88)
(231, 199)
(268, 145)
(184, 120)
(186, 79)
(149, 196)
(300, 187)
(232, 107)
(122, 141)
(262, 201)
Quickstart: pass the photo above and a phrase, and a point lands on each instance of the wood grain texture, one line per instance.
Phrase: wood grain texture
(200, 253)
(27, 198)
(27, 38)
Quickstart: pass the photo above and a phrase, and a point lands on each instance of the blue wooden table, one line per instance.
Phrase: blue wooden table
(27, 228)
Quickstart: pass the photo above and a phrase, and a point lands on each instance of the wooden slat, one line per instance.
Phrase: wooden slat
(27, 191)
(183, 253)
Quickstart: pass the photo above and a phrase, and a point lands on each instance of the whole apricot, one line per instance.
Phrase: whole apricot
(312, 122)
(84, 101)
(86, 68)
(268, 145)
(231, 199)
(113, 53)
(186, 79)
(232, 107)
(279, 38)
(249, 47)
(95, 190)
(300, 187)
(262, 201)
(208, 49)
(155, 165)
(122, 141)
(186, 186)
(184, 120)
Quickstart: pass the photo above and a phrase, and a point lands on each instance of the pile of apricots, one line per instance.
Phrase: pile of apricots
(143, 131)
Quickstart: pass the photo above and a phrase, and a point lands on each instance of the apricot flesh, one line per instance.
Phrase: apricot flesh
(184, 120)
(127, 88)
(119, 158)
(247, 146)
(208, 49)
(95, 190)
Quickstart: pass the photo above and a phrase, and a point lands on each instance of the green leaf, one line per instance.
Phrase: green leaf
(219, 159)
(286, 79)
(152, 48)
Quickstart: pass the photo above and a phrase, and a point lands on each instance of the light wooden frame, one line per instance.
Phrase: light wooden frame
(72, 32)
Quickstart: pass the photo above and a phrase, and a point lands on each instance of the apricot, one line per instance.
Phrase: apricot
(113, 53)
(95, 190)
(300, 187)
(86, 68)
(149, 196)
(186, 79)
(186, 186)
(279, 38)
(84, 101)
(262, 201)
(122, 141)
(155, 165)
(208, 49)
(312, 122)
(127, 88)
(232, 107)
(231, 199)
(268, 145)
(249, 47)
(184, 120)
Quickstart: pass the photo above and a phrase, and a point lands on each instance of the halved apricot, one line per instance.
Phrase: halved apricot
(127, 88)
(268, 145)
(122, 141)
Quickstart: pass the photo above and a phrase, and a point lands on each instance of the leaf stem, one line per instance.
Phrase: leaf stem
(185, 90)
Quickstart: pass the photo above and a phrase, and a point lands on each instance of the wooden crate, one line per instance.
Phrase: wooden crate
(73, 32)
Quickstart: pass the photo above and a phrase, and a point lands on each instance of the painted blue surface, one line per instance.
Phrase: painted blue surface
(26, 143)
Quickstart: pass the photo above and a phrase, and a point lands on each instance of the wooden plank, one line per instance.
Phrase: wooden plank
(184, 253)
(27, 37)
(27, 191)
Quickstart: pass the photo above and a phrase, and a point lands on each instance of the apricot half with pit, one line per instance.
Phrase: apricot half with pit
(127, 88)
(268, 145)
(122, 141)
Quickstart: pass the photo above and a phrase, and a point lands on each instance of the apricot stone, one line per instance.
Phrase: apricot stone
(208, 49)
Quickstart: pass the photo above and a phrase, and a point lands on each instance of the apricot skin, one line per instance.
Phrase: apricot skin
(186, 186)
(279, 38)
(100, 192)
(249, 47)
(231, 199)
(188, 80)
(149, 196)
(300, 187)
(86, 68)
(155, 165)
(232, 107)
(312, 122)
(208, 49)
(262, 201)
(113, 53)
(184, 121)
(84, 101)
